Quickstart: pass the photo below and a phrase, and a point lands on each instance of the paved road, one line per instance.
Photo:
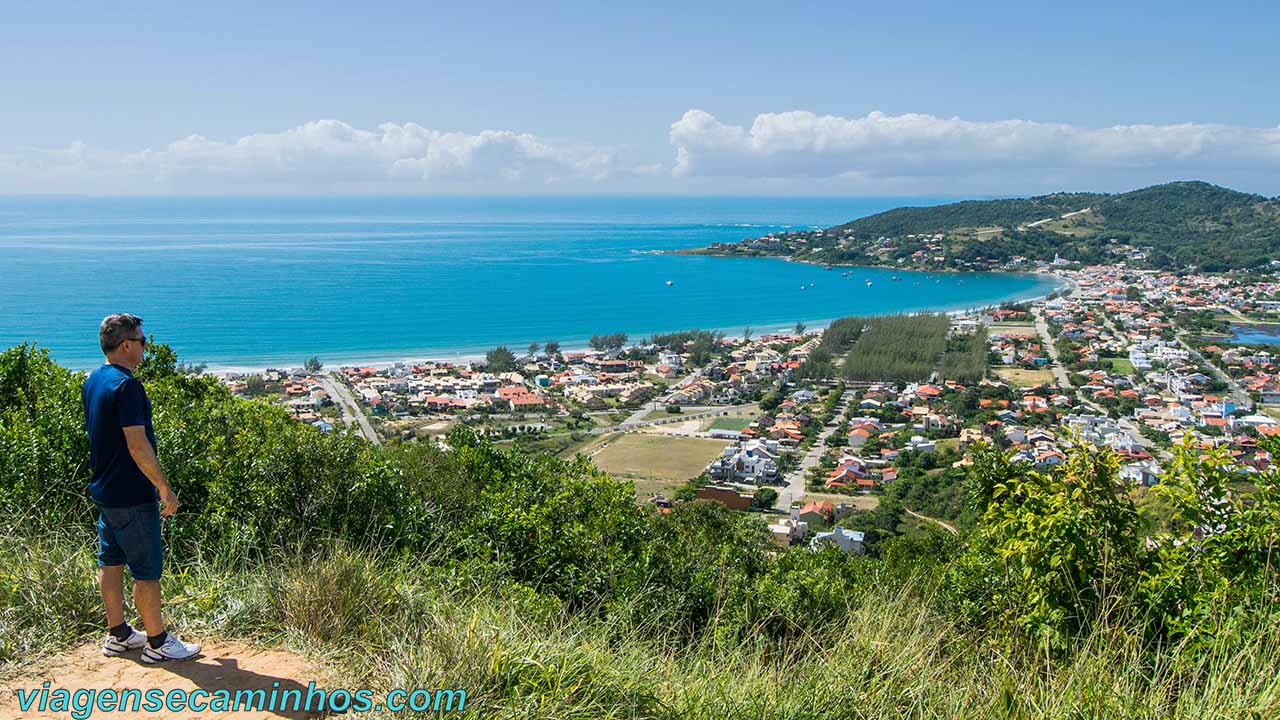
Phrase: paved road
(1059, 372)
(1238, 394)
(351, 412)
(795, 481)
(659, 402)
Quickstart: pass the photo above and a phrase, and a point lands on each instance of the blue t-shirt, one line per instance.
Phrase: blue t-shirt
(114, 400)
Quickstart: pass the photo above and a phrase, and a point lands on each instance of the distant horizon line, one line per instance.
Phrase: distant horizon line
(614, 194)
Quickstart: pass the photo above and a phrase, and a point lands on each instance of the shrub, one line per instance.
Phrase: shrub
(1051, 547)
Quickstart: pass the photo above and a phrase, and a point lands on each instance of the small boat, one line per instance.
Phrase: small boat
(669, 283)
(802, 287)
(810, 284)
(895, 278)
(868, 283)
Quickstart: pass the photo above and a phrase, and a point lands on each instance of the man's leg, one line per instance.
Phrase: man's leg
(146, 595)
(111, 587)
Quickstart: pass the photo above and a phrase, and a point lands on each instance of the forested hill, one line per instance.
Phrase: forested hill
(1170, 226)
(1011, 212)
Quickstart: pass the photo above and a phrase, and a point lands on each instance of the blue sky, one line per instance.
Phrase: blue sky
(516, 97)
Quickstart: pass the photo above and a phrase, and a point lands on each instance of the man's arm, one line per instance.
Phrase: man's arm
(145, 457)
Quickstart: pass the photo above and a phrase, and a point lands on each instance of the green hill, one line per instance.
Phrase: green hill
(1171, 226)
(542, 589)
(969, 214)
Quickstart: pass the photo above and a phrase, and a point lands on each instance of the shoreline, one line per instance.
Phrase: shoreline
(460, 356)
(706, 252)
(465, 356)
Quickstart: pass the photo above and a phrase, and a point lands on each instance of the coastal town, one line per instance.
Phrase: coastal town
(1137, 360)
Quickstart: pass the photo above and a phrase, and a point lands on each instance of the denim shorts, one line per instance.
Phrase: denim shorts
(131, 536)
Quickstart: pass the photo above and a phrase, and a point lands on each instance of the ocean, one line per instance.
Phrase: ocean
(257, 282)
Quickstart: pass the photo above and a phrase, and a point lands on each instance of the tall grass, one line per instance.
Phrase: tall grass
(387, 620)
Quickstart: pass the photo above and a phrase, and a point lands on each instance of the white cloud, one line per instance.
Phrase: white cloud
(897, 148)
(788, 152)
(317, 156)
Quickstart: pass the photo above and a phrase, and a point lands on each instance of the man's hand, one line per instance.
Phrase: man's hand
(145, 457)
(168, 501)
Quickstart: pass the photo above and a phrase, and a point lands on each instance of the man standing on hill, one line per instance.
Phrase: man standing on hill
(127, 482)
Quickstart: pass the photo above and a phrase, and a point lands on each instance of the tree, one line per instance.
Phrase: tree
(611, 341)
(551, 347)
(533, 349)
(764, 498)
(313, 365)
(500, 359)
(771, 400)
(1052, 547)
(800, 328)
(746, 333)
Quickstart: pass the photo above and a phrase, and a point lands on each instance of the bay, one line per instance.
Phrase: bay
(253, 282)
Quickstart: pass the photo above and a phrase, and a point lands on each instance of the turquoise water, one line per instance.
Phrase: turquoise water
(1256, 334)
(255, 282)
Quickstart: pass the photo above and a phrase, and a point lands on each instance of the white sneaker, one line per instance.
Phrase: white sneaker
(112, 647)
(172, 649)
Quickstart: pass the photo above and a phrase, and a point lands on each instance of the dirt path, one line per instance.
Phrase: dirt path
(223, 665)
(945, 526)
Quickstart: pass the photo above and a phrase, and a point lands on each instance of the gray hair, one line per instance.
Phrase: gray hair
(115, 329)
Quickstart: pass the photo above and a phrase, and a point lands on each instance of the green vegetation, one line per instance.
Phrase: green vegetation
(500, 359)
(1009, 213)
(897, 347)
(701, 345)
(542, 587)
(611, 341)
(1169, 226)
(1119, 365)
(764, 498)
(729, 423)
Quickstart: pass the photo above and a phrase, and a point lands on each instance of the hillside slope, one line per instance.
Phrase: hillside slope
(1175, 225)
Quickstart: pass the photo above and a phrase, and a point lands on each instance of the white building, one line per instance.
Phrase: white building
(847, 540)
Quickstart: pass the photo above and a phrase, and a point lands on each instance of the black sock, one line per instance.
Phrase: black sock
(122, 631)
(156, 641)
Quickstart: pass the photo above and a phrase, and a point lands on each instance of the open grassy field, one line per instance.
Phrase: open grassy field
(647, 488)
(730, 422)
(1120, 365)
(1023, 377)
(949, 444)
(657, 457)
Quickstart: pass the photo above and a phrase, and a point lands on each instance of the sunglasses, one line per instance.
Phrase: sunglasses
(140, 340)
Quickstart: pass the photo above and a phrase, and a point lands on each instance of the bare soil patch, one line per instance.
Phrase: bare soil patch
(226, 665)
